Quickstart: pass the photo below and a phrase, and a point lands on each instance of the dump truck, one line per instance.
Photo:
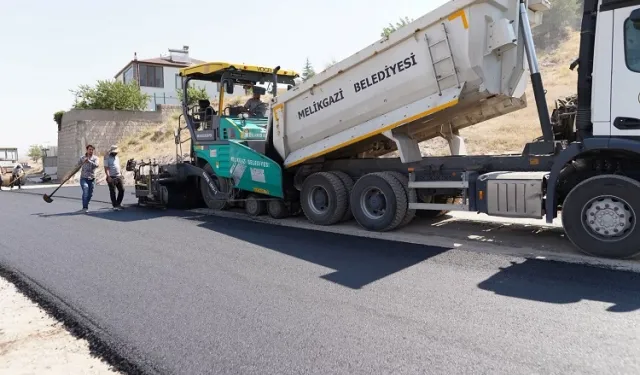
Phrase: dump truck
(322, 148)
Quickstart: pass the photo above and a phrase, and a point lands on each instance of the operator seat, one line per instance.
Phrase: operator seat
(206, 114)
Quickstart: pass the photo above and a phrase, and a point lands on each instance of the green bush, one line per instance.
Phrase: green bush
(386, 31)
(195, 94)
(35, 152)
(57, 117)
(113, 95)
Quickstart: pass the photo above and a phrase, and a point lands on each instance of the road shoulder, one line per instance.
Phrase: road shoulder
(31, 341)
(85, 347)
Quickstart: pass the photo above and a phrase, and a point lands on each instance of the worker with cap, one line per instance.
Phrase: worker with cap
(114, 177)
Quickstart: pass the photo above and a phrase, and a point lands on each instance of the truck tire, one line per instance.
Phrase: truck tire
(348, 185)
(255, 207)
(323, 198)
(378, 202)
(277, 209)
(599, 216)
(412, 197)
(222, 185)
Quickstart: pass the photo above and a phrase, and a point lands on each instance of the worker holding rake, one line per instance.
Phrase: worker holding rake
(89, 164)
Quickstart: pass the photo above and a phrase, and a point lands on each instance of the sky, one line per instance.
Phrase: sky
(50, 47)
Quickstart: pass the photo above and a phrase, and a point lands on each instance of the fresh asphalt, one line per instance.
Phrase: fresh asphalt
(180, 293)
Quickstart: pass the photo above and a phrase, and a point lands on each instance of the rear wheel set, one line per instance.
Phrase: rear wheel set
(257, 205)
(254, 205)
(378, 201)
(324, 198)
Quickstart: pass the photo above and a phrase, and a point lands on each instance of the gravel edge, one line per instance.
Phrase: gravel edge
(101, 346)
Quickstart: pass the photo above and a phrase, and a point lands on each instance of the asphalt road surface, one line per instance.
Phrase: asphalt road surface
(179, 293)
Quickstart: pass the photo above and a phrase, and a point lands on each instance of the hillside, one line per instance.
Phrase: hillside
(509, 133)
(506, 134)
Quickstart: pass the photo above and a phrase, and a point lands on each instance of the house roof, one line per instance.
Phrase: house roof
(162, 61)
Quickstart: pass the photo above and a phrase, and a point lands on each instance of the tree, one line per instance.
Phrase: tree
(330, 64)
(113, 95)
(195, 94)
(35, 152)
(307, 71)
(563, 16)
(57, 117)
(386, 31)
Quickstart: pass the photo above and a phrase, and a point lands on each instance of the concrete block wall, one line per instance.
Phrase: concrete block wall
(101, 128)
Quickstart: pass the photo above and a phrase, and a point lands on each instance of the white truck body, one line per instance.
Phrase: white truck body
(418, 84)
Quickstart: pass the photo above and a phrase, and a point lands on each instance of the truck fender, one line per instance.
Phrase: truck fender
(192, 170)
(574, 151)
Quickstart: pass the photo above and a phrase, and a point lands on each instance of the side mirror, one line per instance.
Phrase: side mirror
(228, 86)
(635, 18)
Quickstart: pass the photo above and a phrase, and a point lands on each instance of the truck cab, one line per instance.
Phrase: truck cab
(615, 106)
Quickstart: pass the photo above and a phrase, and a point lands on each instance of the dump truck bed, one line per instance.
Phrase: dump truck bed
(457, 66)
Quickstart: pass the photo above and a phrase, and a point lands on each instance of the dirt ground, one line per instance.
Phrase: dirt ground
(31, 342)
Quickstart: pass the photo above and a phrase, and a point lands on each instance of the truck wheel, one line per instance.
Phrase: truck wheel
(253, 206)
(208, 197)
(599, 216)
(277, 209)
(378, 202)
(323, 198)
(412, 197)
(348, 185)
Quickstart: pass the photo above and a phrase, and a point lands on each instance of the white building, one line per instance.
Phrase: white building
(159, 77)
(8, 156)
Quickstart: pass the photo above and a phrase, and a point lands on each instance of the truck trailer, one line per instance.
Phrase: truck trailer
(321, 148)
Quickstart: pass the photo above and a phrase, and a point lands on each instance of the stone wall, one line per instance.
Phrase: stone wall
(101, 128)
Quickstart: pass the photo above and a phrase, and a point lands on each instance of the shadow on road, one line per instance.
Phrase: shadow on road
(129, 214)
(357, 261)
(563, 283)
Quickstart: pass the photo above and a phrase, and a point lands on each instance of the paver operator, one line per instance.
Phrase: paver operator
(255, 106)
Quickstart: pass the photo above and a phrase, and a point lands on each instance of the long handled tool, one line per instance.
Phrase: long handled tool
(47, 198)
(24, 175)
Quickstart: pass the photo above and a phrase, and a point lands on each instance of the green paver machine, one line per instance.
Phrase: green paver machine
(230, 161)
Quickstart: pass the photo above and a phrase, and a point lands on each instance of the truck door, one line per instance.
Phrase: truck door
(625, 80)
